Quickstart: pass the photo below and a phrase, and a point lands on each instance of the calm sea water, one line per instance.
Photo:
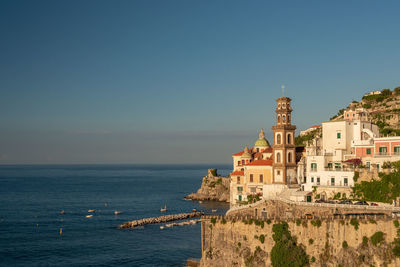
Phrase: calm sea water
(31, 198)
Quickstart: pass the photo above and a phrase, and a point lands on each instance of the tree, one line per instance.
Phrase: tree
(386, 92)
(397, 90)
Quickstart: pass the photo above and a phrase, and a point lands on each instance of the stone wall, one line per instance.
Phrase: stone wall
(237, 242)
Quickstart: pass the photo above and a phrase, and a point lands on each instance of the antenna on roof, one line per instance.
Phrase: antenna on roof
(283, 90)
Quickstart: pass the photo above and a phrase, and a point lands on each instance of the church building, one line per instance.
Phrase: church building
(265, 171)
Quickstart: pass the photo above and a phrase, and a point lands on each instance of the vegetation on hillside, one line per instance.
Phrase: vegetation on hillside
(382, 107)
(302, 140)
(385, 189)
(286, 252)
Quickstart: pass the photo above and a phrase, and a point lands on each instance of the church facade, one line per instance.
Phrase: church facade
(264, 170)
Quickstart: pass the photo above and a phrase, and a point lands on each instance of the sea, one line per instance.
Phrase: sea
(33, 232)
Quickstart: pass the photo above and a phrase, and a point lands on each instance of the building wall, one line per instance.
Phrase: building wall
(325, 179)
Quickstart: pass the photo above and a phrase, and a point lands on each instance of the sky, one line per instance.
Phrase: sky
(180, 81)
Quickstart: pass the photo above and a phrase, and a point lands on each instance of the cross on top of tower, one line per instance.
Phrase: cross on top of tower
(283, 90)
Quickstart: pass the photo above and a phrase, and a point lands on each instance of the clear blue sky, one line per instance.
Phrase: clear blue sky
(180, 81)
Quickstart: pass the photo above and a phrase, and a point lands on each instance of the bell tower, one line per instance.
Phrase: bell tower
(284, 164)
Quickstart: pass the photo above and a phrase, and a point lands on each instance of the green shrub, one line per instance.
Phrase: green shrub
(377, 238)
(365, 242)
(262, 238)
(244, 238)
(262, 224)
(213, 221)
(310, 241)
(355, 223)
(316, 223)
(345, 245)
(396, 223)
(313, 259)
(356, 176)
(341, 222)
(286, 252)
(255, 236)
(384, 189)
(298, 222)
(372, 221)
(396, 247)
(268, 221)
(223, 221)
(239, 244)
(367, 106)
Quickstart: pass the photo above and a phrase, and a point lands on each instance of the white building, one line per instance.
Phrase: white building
(325, 156)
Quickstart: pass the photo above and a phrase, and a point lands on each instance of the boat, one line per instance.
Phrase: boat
(161, 227)
(164, 209)
(200, 201)
(194, 210)
(117, 212)
(214, 210)
(89, 216)
(90, 211)
(62, 212)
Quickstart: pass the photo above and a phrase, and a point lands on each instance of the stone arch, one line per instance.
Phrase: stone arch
(324, 196)
(289, 158)
(278, 157)
(278, 139)
(289, 138)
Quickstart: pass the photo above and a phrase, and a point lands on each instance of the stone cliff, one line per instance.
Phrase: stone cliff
(213, 187)
(366, 241)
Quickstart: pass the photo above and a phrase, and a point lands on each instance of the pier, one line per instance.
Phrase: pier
(161, 219)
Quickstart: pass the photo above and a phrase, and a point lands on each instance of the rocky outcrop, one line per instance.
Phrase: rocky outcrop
(213, 187)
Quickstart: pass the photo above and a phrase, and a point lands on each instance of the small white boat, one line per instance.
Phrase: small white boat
(161, 227)
(90, 211)
(200, 201)
(214, 210)
(117, 212)
(89, 216)
(164, 209)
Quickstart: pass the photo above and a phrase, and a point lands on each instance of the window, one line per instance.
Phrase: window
(278, 157)
(278, 139)
(251, 178)
(330, 165)
(238, 179)
(345, 182)
(382, 150)
(318, 181)
(338, 135)
(278, 172)
(261, 178)
(312, 179)
(279, 118)
(314, 167)
(258, 150)
(289, 158)
(368, 151)
(279, 105)
(283, 105)
(333, 181)
(252, 189)
(397, 150)
(368, 164)
(238, 162)
(283, 118)
(239, 189)
(243, 162)
(289, 138)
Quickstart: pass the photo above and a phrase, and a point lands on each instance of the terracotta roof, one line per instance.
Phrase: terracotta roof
(238, 154)
(316, 126)
(260, 163)
(268, 150)
(237, 173)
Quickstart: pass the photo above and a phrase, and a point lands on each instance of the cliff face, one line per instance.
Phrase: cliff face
(333, 242)
(213, 187)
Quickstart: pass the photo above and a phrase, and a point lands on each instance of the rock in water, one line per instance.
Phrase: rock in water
(213, 187)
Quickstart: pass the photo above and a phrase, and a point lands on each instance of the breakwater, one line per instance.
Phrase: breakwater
(161, 219)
